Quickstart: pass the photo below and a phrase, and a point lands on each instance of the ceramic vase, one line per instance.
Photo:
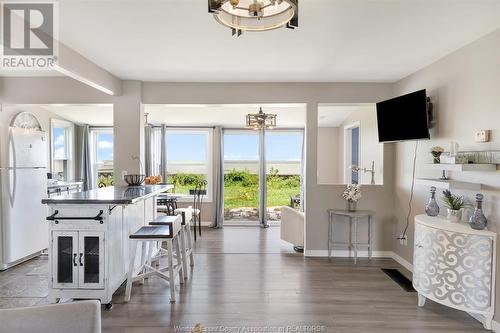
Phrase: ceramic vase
(351, 205)
(454, 215)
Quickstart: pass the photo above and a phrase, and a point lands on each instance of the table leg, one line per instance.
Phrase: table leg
(330, 227)
(370, 230)
(355, 245)
(350, 237)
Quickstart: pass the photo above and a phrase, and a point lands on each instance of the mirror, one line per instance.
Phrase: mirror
(348, 147)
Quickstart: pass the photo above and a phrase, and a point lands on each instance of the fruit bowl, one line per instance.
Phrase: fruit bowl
(134, 180)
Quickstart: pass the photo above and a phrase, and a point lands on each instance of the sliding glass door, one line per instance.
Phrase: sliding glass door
(241, 176)
(253, 159)
(283, 171)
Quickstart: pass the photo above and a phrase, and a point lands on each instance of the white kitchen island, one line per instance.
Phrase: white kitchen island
(89, 239)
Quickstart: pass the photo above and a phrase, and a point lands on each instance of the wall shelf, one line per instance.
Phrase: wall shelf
(464, 167)
(449, 184)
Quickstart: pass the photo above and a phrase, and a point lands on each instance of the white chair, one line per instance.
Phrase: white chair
(76, 317)
(292, 228)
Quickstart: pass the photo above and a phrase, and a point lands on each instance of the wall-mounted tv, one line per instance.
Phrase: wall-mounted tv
(403, 118)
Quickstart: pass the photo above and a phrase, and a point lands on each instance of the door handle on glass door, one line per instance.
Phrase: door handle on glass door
(80, 259)
(74, 260)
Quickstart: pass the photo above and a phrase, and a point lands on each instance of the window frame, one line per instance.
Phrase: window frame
(93, 133)
(69, 136)
(210, 167)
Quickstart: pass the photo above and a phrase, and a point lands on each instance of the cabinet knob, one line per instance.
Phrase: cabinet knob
(420, 246)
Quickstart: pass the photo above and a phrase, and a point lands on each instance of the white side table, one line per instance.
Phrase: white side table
(353, 220)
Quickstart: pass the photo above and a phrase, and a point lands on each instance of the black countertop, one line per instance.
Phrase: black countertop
(113, 195)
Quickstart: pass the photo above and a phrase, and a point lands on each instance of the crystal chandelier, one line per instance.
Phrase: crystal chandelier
(255, 15)
(261, 120)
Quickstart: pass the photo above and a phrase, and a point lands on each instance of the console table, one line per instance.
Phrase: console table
(454, 265)
(353, 218)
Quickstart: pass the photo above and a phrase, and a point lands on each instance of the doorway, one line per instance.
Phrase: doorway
(252, 159)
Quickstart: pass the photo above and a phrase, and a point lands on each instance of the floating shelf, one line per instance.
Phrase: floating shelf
(449, 184)
(464, 167)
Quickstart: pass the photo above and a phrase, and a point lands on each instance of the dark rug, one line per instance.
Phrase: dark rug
(399, 278)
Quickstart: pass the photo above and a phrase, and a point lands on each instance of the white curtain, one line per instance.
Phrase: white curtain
(219, 177)
(148, 162)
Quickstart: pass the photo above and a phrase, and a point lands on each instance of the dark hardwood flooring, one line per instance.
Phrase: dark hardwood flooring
(246, 277)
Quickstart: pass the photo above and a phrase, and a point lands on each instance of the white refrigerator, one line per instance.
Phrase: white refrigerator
(23, 184)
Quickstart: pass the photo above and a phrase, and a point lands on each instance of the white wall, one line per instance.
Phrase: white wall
(328, 156)
(465, 90)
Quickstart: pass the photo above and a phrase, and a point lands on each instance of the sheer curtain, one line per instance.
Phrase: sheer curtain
(219, 177)
(148, 161)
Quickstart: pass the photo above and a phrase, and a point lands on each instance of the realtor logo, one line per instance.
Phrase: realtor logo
(29, 39)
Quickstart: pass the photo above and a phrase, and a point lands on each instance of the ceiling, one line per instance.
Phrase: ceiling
(338, 40)
(91, 114)
(226, 115)
(333, 115)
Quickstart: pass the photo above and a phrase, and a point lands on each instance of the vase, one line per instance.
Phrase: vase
(437, 159)
(454, 215)
(432, 208)
(351, 205)
(478, 221)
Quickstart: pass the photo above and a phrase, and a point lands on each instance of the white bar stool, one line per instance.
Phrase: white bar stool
(148, 236)
(186, 238)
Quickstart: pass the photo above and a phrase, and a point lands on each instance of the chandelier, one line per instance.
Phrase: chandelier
(261, 120)
(255, 15)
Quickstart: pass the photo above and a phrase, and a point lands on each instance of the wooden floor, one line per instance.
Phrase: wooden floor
(246, 277)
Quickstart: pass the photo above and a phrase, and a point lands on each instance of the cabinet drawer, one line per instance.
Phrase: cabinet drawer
(453, 268)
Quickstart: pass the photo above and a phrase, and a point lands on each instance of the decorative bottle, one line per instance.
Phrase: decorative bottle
(432, 208)
(478, 221)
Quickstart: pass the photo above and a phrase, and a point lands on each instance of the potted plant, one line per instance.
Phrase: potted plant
(454, 203)
(352, 194)
(436, 154)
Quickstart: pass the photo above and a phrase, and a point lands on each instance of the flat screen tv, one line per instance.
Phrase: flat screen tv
(403, 118)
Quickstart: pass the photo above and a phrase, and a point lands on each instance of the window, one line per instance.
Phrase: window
(188, 158)
(62, 149)
(102, 157)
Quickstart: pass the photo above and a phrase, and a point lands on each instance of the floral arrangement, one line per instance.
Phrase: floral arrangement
(436, 153)
(453, 201)
(352, 192)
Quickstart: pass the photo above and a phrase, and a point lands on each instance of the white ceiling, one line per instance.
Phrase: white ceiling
(338, 40)
(226, 115)
(91, 114)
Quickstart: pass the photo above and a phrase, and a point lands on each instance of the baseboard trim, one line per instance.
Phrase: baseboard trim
(495, 326)
(403, 262)
(347, 253)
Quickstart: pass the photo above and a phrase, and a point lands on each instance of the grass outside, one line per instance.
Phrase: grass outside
(241, 188)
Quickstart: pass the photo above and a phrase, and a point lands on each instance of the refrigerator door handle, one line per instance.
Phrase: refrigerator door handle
(13, 179)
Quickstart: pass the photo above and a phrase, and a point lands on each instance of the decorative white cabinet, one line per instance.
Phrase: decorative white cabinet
(454, 265)
(78, 260)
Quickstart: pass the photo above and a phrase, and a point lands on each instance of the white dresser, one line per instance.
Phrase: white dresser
(454, 265)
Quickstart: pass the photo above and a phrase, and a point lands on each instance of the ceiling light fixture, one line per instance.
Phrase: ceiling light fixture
(261, 120)
(255, 15)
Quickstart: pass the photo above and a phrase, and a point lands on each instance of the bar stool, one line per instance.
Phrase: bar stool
(166, 204)
(198, 194)
(148, 236)
(185, 235)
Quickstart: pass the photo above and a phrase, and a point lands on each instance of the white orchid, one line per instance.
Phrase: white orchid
(352, 192)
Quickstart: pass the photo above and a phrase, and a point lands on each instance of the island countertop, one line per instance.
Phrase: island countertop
(113, 195)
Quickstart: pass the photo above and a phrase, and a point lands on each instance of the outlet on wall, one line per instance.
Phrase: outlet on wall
(403, 240)
(482, 136)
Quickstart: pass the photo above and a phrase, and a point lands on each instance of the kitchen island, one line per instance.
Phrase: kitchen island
(89, 238)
